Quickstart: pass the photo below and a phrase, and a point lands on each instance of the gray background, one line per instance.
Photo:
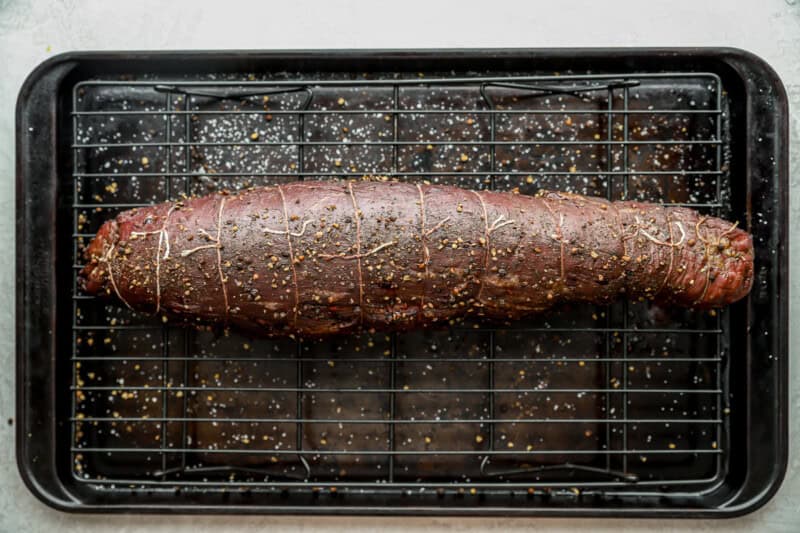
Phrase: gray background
(31, 31)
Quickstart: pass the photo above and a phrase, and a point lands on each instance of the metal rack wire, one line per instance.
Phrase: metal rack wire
(398, 123)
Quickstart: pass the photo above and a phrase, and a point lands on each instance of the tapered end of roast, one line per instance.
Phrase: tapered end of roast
(94, 276)
(718, 270)
(732, 277)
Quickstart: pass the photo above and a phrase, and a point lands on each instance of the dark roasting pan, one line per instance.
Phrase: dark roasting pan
(625, 410)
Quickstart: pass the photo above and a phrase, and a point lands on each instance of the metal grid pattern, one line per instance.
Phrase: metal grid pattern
(611, 396)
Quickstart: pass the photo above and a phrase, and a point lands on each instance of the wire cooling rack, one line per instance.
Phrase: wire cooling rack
(616, 397)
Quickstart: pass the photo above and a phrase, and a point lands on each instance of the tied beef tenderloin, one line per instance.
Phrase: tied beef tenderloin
(319, 258)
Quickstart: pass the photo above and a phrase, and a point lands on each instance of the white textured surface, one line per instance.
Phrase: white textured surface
(32, 31)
